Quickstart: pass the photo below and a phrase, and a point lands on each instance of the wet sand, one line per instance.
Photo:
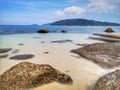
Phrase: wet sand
(83, 72)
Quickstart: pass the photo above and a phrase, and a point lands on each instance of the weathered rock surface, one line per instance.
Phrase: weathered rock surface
(106, 55)
(109, 30)
(61, 41)
(26, 75)
(22, 56)
(5, 50)
(110, 81)
(43, 31)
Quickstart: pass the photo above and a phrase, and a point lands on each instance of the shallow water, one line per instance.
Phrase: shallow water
(83, 72)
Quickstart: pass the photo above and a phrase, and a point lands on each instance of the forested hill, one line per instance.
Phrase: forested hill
(83, 22)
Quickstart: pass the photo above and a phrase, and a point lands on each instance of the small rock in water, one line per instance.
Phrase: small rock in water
(20, 44)
(46, 52)
(26, 75)
(42, 42)
(61, 41)
(109, 81)
(109, 30)
(4, 56)
(22, 56)
(63, 31)
(5, 50)
(43, 31)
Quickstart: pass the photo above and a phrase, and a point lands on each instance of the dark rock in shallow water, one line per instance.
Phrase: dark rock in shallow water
(5, 50)
(22, 57)
(61, 41)
(109, 30)
(43, 31)
(4, 56)
(27, 75)
(46, 52)
(110, 81)
(64, 31)
(42, 42)
(106, 55)
(20, 44)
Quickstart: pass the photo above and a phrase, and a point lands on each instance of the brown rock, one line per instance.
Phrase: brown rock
(109, 30)
(106, 55)
(110, 81)
(43, 31)
(64, 31)
(26, 75)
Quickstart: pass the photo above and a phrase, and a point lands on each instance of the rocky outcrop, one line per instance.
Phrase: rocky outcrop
(43, 31)
(110, 81)
(22, 56)
(106, 55)
(28, 75)
(109, 30)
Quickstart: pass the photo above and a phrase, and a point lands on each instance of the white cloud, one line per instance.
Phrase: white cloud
(72, 11)
(103, 6)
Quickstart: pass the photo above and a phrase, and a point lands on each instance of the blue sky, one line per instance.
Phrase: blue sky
(46, 11)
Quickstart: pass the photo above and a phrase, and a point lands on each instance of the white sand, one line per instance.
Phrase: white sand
(83, 72)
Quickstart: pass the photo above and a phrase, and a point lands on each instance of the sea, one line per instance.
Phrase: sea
(24, 39)
(22, 29)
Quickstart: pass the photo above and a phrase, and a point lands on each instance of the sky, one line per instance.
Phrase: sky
(27, 12)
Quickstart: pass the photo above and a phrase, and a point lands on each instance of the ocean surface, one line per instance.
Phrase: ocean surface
(21, 29)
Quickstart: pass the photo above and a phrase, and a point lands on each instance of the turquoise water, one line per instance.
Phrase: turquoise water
(20, 29)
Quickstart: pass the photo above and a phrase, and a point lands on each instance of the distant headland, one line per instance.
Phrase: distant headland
(82, 22)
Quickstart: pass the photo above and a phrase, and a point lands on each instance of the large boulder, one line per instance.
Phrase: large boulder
(106, 55)
(110, 81)
(109, 30)
(26, 75)
(43, 31)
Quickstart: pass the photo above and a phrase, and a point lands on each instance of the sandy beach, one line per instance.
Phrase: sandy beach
(83, 72)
